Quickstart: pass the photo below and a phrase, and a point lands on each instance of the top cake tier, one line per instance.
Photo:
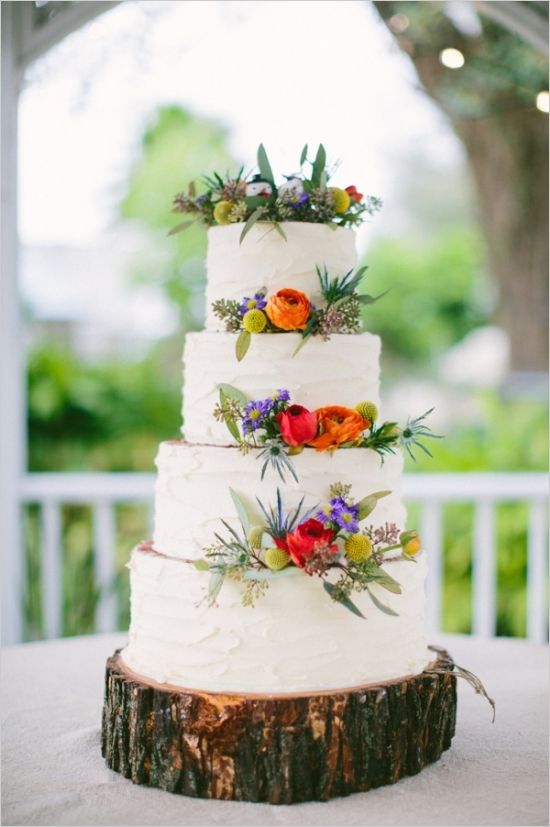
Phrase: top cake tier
(266, 259)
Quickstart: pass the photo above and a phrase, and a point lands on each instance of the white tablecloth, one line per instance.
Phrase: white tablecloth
(53, 773)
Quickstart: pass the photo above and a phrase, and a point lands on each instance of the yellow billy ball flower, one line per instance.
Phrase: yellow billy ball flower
(254, 321)
(358, 548)
(368, 411)
(410, 542)
(222, 211)
(255, 536)
(276, 558)
(340, 199)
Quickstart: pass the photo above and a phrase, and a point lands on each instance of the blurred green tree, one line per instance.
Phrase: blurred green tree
(177, 147)
(490, 103)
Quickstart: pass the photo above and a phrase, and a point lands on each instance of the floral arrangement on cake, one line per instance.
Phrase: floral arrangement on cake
(251, 198)
(325, 541)
(282, 429)
(291, 311)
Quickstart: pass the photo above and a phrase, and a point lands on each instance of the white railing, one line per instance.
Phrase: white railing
(431, 491)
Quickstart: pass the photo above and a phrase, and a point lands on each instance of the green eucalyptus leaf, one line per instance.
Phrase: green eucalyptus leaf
(301, 344)
(201, 565)
(365, 299)
(264, 166)
(183, 225)
(233, 393)
(251, 220)
(230, 423)
(241, 510)
(277, 227)
(330, 589)
(366, 507)
(318, 166)
(214, 586)
(303, 156)
(323, 180)
(242, 344)
(383, 579)
(368, 504)
(380, 605)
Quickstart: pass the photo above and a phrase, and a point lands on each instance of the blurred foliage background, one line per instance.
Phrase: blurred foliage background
(109, 414)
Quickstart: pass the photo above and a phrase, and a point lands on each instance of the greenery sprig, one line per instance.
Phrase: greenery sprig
(304, 196)
(330, 541)
(281, 429)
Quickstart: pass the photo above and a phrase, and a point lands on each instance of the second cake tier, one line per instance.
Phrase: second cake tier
(194, 481)
(344, 371)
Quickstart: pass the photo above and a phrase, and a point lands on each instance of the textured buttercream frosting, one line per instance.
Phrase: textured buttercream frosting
(265, 259)
(343, 371)
(294, 639)
(193, 481)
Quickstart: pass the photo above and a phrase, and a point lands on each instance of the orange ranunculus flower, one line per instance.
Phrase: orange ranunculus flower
(289, 309)
(337, 425)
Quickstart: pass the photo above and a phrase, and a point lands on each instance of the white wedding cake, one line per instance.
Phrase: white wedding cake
(188, 633)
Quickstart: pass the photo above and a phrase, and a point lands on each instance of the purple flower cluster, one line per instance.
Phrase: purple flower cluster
(341, 512)
(256, 412)
(257, 302)
(299, 200)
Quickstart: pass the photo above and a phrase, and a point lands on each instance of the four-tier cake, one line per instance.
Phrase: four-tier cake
(280, 565)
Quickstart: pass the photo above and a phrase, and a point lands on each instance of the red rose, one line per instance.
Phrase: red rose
(298, 425)
(353, 194)
(302, 543)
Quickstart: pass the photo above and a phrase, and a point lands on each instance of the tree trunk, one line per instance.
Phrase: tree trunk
(508, 155)
(278, 749)
(507, 151)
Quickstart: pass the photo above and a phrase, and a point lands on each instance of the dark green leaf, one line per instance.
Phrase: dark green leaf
(256, 215)
(303, 156)
(380, 605)
(255, 201)
(243, 343)
(345, 601)
(264, 165)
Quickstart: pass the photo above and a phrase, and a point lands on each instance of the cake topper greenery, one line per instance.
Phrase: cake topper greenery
(302, 196)
(291, 311)
(325, 541)
(282, 429)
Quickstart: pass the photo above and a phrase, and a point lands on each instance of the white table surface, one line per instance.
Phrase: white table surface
(53, 772)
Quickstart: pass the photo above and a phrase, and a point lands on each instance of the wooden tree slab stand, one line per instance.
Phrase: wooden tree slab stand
(279, 749)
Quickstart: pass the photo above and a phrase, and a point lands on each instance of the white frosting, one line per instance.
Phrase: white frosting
(265, 259)
(192, 491)
(294, 639)
(343, 371)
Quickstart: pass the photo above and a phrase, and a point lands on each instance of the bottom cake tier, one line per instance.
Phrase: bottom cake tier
(280, 749)
(294, 639)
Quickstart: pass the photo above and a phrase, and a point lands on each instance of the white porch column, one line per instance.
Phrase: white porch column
(12, 381)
